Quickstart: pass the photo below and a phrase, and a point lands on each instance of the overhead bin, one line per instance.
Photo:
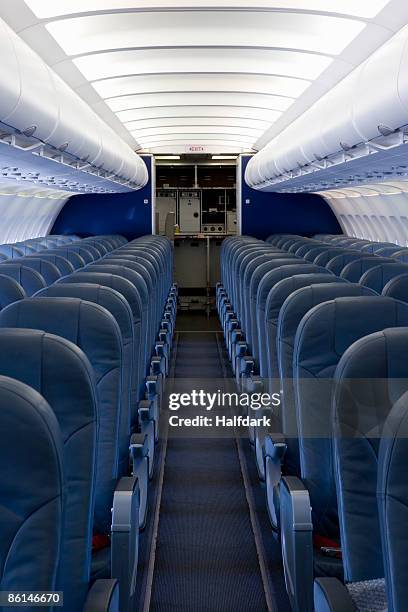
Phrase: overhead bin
(36, 102)
(368, 105)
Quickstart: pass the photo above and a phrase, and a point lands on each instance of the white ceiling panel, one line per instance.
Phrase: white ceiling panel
(192, 111)
(188, 122)
(163, 61)
(183, 71)
(264, 85)
(51, 8)
(183, 129)
(275, 103)
(316, 33)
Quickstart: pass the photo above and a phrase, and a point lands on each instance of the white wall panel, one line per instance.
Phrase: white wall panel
(378, 213)
(28, 213)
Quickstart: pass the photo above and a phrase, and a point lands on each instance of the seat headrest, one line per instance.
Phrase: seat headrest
(380, 275)
(304, 299)
(337, 264)
(274, 276)
(30, 280)
(354, 270)
(48, 270)
(328, 329)
(272, 264)
(283, 289)
(10, 291)
(31, 488)
(108, 298)
(124, 286)
(63, 265)
(131, 275)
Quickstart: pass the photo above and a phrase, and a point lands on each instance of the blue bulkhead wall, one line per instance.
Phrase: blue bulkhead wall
(265, 213)
(128, 214)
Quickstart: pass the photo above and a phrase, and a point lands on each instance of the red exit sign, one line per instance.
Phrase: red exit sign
(196, 149)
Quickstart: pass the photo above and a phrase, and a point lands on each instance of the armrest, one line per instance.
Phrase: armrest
(103, 597)
(125, 539)
(274, 452)
(331, 595)
(297, 543)
(139, 450)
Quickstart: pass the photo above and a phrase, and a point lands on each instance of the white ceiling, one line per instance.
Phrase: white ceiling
(224, 75)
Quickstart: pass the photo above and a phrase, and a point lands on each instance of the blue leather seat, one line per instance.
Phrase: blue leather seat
(371, 378)
(374, 247)
(10, 291)
(338, 263)
(294, 308)
(94, 330)
(330, 253)
(74, 258)
(309, 246)
(354, 270)
(377, 278)
(31, 490)
(397, 288)
(248, 267)
(323, 336)
(401, 255)
(388, 251)
(266, 284)
(253, 264)
(62, 374)
(63, 265)
(314, 252)
(46, 269)
(150, 288)
(30, 280)
(393, 504)
(137, 280)
(87, 252)
(10, 251)
(256, 279)
(282, 282)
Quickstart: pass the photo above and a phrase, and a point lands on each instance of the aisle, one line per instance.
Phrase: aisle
(205, 558)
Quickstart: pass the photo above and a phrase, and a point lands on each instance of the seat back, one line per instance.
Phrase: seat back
(74, 258)
(63, 265)
(296, 305)
(94, 330)
(61, 372)
(325, 256)
(10, 291)
(131, 295)
(267, 283)
(31, 490)
(354, 270)
(337, 264)
(275, 300)
(379, 276)
(256, 279)
(370, 377)
(46, 269)
(30, 280)
(393, 504)
(397, 288)
(137, 281)
(401, 255)
(115, 303)
(323, 336)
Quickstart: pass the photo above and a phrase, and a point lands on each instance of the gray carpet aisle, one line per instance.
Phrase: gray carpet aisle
(206, 557)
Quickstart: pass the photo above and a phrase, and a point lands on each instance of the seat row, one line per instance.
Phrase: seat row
(293, 314)
(83, 361)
